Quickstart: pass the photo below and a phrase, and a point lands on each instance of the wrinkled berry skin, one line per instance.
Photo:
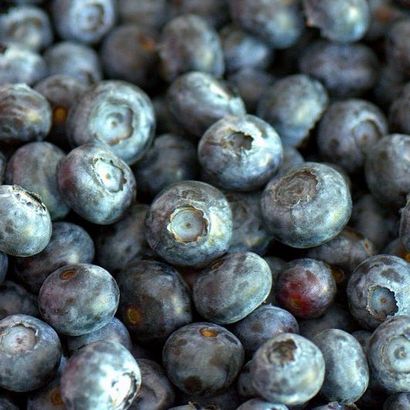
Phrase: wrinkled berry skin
(116, 114)
(25, 115)
(292, 106)
(156, 391)
(96, 184)
(78, 299)
(68, 244)
(26, 222)
(378, 289)
(388, 352)
(75, 60)
(189, 224)
(346, 70)
(170, 159)
(102, 375)
(26, 26)
(189, 43)
(114, 331)
(386, 170)
(306, 288)
(258, 404)
(248, 232)
(85, 21)
(308, 206)
(347, 372)
(338, 20)
(154, 302)
(149, 14)
(129, 53)
(240, 153)
(262, 324)
(30, 352)
(34, 167)
(232, 287)
(288, 369)
(197, 100)
(14, 299)
(118, 244)
(348, 131)
(399, 401)
(188, 351)
(397, 48)
(399, 111)
(265, 19)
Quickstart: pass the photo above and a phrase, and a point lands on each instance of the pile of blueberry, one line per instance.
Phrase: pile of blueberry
(205, 204)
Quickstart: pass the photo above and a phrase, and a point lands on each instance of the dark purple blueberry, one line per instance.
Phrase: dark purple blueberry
(149, 14)
(14, 300)
(363, 337)
(399, 117)
(405, 226)
(398, 401)
(397, 48)
(244, 383)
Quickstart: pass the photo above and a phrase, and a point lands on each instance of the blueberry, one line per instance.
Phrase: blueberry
(291, 158)
(96, 184)
(189, 43)
(306, 288)
(278, 22)
(170, 159)
(340, 20)
(3, 165)
(114, 331)
(116, 114)
(248, 233)
(388, 352)
(405, 226)
(78, 299)
(232, 287)
(308, 206)
(396, 248)
(122, 242)
(155, 300)
(202, 358)
(346, 70)
(69, 243)
(75, 60)
(276, 265)
(85, 21)
(20, 65)
(292, 106)
(156, 391)
(189, 224)
(336, 406)
(34, 167)
(348, 131)
(244, 51)
(129, 53)
(397, 48)
(244, 384)
(288, 369)
(363, 337)
(26, 222)
(196, 100)
(25, 115)
(227, 400)
(347, 373)
(258, 404)
(101, 375)
(398, 401)
(150, 14)
(30, 353)
(386, 170)
(240, 153)
(399, 111)
(14, 299)
(377, 290)
(262, 324)
(4, 264)
(47, 398)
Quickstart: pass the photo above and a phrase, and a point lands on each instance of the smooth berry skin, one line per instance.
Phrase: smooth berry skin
(69, 243)
(189, 224)
(397, 48)
(293, 105)
(186, 356)
(189, 43)
(388, 352)
(116, 114)
(258, 404)
(102, 375)
(197, 100)
(377, 290)
(347, 372)
(78, 299)
(148, 14)
(96, 184)
(308, 206)
(14, 300)
(232, 287)
(26, 222)
(30, 352)
(240, 153)
(288, 369)
(306, 288)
